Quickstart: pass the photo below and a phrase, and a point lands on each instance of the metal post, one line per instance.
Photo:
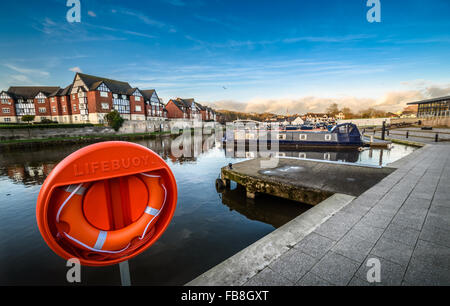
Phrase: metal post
(436, 138)
(381, 157)
(407, 134)
(125, 278)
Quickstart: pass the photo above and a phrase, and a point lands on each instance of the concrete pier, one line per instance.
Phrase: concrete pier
(403, 222)
(302, 180)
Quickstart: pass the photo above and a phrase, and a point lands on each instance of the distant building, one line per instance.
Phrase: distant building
(189, 109)
(433, 108)
(340, 116)
(297, 121)
(317, 117)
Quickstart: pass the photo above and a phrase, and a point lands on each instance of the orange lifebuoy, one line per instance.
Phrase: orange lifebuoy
(106, 203)
(91, 238)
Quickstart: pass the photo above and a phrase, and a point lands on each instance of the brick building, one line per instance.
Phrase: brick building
(87, 100)
(189, 109)
(18, 101)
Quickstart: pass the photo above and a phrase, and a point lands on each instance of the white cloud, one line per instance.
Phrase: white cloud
(75, 69)
(26, 70)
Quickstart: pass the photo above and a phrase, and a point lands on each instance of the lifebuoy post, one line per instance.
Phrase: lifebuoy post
(106, 203)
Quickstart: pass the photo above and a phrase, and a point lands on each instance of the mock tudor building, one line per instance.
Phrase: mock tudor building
(93, 97)
(18, 101)
(87, 100)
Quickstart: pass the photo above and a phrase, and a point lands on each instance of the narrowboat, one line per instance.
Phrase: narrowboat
(342, 135)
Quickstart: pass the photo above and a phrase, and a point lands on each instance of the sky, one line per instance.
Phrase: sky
(280, 56)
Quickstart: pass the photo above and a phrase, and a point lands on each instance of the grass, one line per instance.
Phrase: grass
(83, 138)
(11, 126)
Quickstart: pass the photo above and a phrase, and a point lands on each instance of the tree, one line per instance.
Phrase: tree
(28, 118)
(347, 113)
(114, 120)
(333, 109)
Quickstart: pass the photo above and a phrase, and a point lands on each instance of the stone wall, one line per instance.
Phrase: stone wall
(129, 127)
(35, 133)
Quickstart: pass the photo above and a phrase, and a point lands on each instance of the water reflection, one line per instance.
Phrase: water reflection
(271, 210)
(31, 167)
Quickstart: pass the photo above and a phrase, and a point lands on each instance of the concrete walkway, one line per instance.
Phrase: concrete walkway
(428, 136)
(403, 221)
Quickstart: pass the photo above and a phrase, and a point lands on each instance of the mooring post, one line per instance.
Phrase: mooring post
(125, 278)
(407, 134)
(436, 138)
(383, 130)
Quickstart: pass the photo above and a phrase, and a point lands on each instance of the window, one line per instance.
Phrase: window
(103, 94)
(64, 108)
(105, 106)
(52, 99)
(7, 119)
(6, 110)
(6, 101)
(41, 101)
(74, 108)
(103, 87)
(54, 109)
(63, 99)
(138, 108)
(138, 99)
(42, 110)
(74, 97)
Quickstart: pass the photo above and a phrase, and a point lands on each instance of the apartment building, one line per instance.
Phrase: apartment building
(18, 101)
(87, 100)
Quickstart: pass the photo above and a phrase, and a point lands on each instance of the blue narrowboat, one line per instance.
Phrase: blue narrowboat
(342, 135)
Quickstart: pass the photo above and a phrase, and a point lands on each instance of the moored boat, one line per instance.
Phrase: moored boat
(342, 135)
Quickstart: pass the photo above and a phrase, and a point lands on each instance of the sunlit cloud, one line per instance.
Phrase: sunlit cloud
(389, 102)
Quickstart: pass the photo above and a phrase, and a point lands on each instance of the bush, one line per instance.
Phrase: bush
(114, 120)
(28, 118)
(47, 121)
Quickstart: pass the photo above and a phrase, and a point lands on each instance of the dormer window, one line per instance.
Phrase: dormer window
(104, 90)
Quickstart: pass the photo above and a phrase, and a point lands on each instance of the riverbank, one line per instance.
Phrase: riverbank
(8, 145)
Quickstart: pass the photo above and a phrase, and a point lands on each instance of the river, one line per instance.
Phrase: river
(207, 227)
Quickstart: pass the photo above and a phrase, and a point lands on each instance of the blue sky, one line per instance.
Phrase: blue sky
(251, 55)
